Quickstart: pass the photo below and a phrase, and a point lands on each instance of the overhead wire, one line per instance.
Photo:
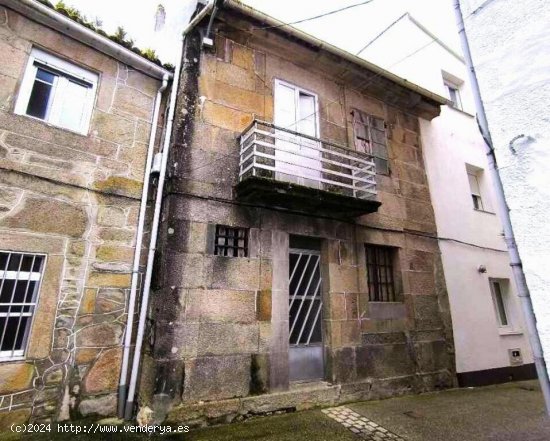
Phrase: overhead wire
(314, 17)
(370, 81)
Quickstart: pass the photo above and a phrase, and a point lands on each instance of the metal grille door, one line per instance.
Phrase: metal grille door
(305, 321)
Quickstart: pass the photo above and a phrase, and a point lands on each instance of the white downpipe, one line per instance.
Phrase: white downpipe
(156, 217)
(504, 214)
(122, 386)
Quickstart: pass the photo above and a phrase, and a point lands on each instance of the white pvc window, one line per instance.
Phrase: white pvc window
(454, 95)
(20, 277)
(473, 179)
(500, 303)
(57, 92)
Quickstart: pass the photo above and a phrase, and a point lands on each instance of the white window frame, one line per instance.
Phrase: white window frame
(505, 301)
(19, 275)
(65, 71)
(474, 193)
(458, 104)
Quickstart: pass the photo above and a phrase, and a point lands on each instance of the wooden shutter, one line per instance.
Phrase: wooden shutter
(370, 138)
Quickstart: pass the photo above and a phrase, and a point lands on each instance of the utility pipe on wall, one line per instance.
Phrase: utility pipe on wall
(122, 386)
(156, 217)
(504, 214)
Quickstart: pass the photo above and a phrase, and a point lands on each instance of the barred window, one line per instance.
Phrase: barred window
(20, 276)
(231, 241)
(380, 273)
(370, 138)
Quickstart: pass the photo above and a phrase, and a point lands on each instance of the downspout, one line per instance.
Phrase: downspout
(504, 214)
(156, 217)
(122, 386)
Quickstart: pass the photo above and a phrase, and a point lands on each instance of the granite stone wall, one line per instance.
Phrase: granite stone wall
(76, 199)
(220, 324)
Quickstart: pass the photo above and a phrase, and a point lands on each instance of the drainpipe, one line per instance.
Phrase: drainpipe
(129, 408)
(504, 214)
(122, 386)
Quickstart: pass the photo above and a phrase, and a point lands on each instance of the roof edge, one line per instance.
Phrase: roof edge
(54, 20)
(314, 41)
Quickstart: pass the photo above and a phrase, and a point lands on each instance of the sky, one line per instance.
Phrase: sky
(350, 29)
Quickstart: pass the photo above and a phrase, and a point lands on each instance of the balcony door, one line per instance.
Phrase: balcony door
(297, 158)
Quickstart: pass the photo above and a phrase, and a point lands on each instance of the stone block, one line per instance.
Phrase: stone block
(110, 280)
(335, 308)
(100, 335)
(15, 377)
(350, 332)
(432, 356)
(418, 211)
(235, 76)
(217, 378)
(228, 338)
(420, 282)
(426, 312)
(226, 117)
(133, 102)
(103, 405)
(232, 273)
(411, 190)
(173, 340)
(236, 97)
(49, 149)
(382, 361)
(259, 374)
(85, 356)
(114, 128)
(342, 278)
(342, 365)
(34, 215)
(184, 270)
(387, 311)
(417, 260)
(121, 235)
(120, 185)
(221, 306)
(242, 56)
(112, 253)
(264, 303)
(187, 237)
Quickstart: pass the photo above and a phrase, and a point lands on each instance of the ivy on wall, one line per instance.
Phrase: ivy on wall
(119, 37)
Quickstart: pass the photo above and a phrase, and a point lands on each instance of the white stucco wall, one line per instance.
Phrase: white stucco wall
(510, 44)
(449, 142)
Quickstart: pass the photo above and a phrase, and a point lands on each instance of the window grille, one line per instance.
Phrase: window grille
(20, 276)
(380, 273)
(231, 242)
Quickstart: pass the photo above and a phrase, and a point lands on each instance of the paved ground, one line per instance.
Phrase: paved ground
(510, 412)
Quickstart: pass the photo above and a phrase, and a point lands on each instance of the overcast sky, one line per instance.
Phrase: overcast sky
(350, 29)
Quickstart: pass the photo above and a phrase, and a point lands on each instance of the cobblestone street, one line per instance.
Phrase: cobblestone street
(360, 425)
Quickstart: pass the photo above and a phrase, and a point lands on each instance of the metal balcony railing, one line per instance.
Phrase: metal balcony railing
(272, 152)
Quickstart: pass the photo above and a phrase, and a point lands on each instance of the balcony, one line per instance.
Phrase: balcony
(283, 168)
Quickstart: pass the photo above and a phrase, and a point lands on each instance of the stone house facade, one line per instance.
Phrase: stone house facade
(282, 280)
(75, 123)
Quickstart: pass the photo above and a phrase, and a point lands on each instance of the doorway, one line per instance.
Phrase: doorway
(306, 352)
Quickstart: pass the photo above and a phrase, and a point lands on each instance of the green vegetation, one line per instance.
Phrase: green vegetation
(120, 36)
